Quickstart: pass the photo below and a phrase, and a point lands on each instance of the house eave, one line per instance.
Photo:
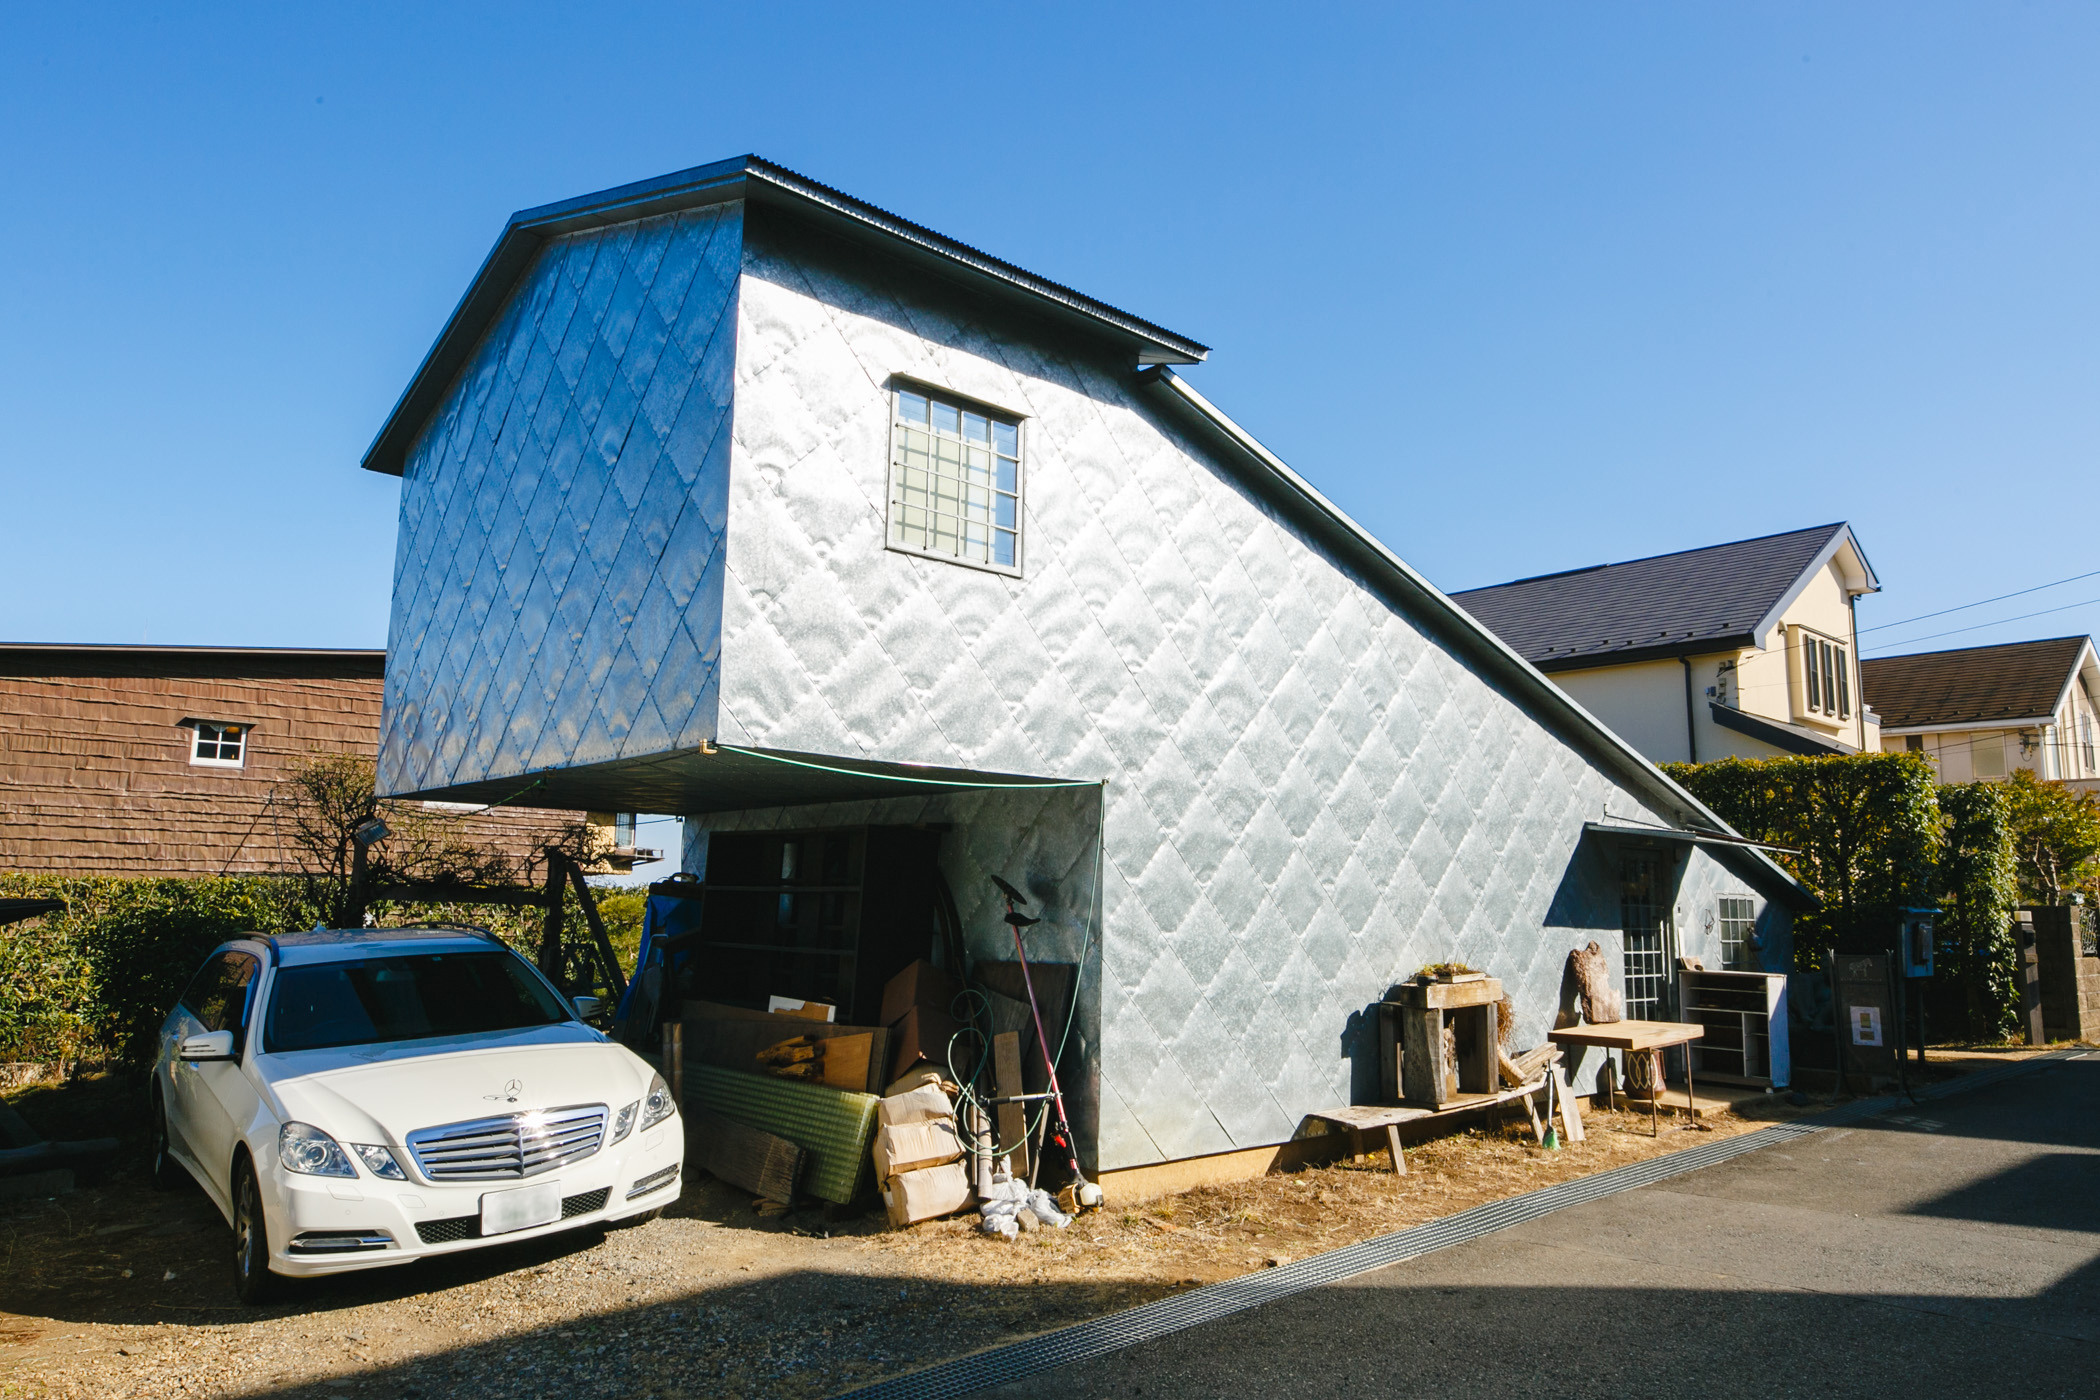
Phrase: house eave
(1788, 738)
(1664, 651)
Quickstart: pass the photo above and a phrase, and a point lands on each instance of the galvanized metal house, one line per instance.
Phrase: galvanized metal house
(727, 494)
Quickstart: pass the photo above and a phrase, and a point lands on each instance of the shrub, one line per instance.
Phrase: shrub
(1866, 830)
(100, 975)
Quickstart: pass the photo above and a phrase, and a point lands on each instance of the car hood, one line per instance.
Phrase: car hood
(382, 1093)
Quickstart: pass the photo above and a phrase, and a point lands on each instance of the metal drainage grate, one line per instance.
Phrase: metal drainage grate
(1082, 1342)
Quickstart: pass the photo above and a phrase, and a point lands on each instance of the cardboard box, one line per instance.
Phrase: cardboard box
(910, 1147)
(926, 1194)
(921, 984)
(921, 1073)
(807, 1010)
(923, 1034)
(925, 1104)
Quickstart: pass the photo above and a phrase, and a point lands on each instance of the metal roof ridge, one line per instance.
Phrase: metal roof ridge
(527, 230)
(1833, 526)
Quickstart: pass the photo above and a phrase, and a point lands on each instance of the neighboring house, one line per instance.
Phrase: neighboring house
(1981, 712)
(1741, 650)
(729, 495)
(164, 760)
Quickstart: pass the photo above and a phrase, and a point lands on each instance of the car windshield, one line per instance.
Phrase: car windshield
(371, 1001)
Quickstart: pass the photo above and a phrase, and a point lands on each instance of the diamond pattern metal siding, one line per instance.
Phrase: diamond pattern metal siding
(1307, 796)
(558, 576)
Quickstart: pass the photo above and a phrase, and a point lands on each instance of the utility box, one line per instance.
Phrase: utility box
(1914, 941)
(1866, 1015)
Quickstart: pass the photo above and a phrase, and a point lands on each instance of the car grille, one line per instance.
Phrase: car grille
(468, 1227)
(515, 1145)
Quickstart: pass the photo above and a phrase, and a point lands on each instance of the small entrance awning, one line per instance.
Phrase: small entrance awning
(1787, 738)
(1738, 853)
(720, 778)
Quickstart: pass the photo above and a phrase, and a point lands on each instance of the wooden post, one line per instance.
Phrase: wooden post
(1389, 1050)
(1392, 1140)
(550, 936)
(1425, 1075)
(1570, 1111)
(614, 977)
(676, 1056)
(1013, 1117)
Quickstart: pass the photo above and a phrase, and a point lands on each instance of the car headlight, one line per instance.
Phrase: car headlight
(656, 1104)
(307, 1150)
(379, 1161)
(624, 1123)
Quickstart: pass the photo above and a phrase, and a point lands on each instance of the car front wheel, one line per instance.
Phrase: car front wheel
(252, 1278)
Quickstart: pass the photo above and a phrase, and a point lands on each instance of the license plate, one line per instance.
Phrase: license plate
(505, 1211)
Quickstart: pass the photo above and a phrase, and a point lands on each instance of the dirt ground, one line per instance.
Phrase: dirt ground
(116, 1290)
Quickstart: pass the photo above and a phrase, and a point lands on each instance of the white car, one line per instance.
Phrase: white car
(362, 1098)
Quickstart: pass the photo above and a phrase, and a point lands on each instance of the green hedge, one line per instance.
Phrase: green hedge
(97, 979)
(1875, 833)
(99, 976)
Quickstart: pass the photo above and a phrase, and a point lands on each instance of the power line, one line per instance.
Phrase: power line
(2019, 593)
(1978, 627)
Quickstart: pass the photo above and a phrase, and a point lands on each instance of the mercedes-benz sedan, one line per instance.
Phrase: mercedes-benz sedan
(351, 1099)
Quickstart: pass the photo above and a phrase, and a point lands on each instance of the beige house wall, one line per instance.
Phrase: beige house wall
(1644, 701)
(1771, 677)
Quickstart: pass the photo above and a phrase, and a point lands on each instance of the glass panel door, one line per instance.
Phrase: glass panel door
(1644, 921)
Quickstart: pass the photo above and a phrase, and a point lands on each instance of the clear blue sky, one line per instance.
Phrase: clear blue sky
(1522, 287)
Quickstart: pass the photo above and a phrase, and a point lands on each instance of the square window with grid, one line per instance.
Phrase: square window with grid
(955, 482)
(1644, 921)
(1738, 920)
(219, 745)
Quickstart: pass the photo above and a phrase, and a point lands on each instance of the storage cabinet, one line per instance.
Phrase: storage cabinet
(1744, 1014)
(823, 915)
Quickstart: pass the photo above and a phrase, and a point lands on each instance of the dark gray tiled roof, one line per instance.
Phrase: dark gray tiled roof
(1695, 599)
(2017, 680)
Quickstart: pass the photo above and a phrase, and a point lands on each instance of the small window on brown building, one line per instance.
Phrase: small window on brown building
(218, 745)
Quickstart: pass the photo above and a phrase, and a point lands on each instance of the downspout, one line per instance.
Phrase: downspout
(1859, 689)
(1691, 734)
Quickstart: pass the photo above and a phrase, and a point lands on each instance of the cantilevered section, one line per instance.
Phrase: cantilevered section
(761, 183)
(721, 778)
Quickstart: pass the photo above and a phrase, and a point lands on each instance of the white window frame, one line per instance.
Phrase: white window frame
(1737, 913)
(1825, 687)
(215, 732)
(897, 527)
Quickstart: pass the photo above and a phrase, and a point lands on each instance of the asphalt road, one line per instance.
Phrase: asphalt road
(1946, 1250)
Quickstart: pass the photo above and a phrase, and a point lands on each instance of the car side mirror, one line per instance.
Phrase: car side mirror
(587, 1007)
(212, 1045)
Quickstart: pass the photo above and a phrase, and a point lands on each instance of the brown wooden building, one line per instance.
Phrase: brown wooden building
(164, 760)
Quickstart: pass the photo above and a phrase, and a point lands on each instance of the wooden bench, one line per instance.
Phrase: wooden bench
(1358, 1119)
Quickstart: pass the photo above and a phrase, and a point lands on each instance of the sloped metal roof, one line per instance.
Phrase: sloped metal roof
(1972, 685)
(1695, 600)
(760, 181)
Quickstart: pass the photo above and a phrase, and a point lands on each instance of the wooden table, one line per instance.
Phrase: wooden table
(1629, 1036)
